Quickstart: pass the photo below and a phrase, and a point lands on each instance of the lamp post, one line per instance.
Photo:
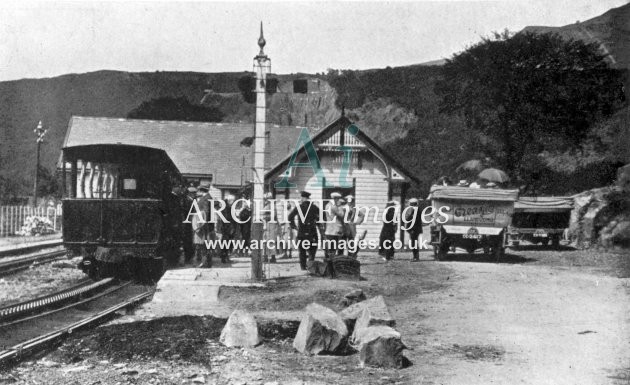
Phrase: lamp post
(262, 66)
(40, 131)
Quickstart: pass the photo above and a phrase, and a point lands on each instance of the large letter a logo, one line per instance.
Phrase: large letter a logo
(313, 162)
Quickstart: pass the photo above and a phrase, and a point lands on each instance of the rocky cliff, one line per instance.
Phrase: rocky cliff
(601, 217)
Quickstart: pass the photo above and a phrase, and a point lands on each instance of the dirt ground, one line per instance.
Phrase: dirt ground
(539, 317)
(39, 280)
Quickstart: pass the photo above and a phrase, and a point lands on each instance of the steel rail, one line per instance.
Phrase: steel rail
(11, 251)
(50, 299)
(23, 349)
(20, 264)
(69, 306)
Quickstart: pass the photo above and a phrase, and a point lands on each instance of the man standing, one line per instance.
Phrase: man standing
(334, 225)
(203, 230)
(388, 232)
(306, 228)
(245, 217)
(271, 232)
(188, 195)
(414, 228)
(228, 229)
(353, 218)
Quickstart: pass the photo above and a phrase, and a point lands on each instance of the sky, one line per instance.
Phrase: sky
(50, 38)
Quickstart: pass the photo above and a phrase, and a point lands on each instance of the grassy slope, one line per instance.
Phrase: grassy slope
(113, 94)
(103, 93)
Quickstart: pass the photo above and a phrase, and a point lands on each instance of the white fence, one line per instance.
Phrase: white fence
(12, 218)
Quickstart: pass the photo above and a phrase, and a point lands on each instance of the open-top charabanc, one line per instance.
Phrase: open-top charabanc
(120, 214)
(540, 220)
(471, 219)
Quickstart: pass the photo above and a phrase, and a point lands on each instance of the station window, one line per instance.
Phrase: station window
(129, 184)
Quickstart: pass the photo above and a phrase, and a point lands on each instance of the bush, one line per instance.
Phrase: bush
(34, 225)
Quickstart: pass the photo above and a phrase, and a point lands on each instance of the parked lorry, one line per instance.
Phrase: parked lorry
(471, 219)
(540, 220)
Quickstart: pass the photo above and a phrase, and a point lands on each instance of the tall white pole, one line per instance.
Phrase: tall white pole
(262, 66)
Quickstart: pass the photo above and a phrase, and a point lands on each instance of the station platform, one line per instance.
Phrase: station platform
(195, 291)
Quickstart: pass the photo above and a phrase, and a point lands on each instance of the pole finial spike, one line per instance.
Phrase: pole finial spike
(261, 39)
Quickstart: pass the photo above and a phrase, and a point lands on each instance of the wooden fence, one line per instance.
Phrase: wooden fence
(12, 218)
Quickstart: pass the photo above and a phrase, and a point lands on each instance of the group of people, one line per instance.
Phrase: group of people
(197, 229)
(478, 183)
(388, 231)
(342, 226)
(339, 228)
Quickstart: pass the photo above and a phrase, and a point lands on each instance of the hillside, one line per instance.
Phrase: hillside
(610, 30)
(398, 107)
(113, 94)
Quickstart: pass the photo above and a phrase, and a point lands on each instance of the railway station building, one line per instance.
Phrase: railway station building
(222, 154)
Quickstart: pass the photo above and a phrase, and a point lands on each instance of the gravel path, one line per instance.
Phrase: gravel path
(544, 317)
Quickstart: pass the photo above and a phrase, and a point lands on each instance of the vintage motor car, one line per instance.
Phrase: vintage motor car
(473, 219)
(540, 220)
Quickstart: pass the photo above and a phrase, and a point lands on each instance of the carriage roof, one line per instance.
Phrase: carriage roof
(140, 156)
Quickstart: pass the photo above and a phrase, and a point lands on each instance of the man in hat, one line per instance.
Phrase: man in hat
(245, 217)
(388, 232)
(187, 197)
(272, 229)
(203, 230)
(228, 229)
(334, 225)
(414, 228)
(351, 220)
(306, 227)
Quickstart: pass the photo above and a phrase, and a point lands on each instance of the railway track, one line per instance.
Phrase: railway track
(38, 307)
(23, 263)
(28, 248)
(36, 325)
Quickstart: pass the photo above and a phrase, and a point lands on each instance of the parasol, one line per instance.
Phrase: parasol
(494, 175)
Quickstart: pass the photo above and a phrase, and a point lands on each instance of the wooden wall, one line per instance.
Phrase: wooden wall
(368, 175)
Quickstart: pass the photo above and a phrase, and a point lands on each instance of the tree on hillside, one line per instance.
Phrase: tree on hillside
(169, 108)
(527, 94)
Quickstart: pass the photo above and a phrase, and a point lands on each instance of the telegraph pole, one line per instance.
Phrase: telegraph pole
(262, 66)
(40, 131)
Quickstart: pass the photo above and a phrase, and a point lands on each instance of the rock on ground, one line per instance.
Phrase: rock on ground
(64, 265)
(352, 313)
(352, 297)
(375, 313)
(241, 330)
(380, 346)
(321, 331)
(318, 269)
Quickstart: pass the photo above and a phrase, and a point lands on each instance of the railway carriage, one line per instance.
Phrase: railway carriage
(120, 213)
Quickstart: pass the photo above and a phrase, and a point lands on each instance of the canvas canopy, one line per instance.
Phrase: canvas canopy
(543, 204)
(474, 194)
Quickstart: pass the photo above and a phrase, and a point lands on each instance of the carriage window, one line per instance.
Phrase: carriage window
(129, 184)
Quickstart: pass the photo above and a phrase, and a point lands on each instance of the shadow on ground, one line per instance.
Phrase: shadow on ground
(508, 258)
(543, 248)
